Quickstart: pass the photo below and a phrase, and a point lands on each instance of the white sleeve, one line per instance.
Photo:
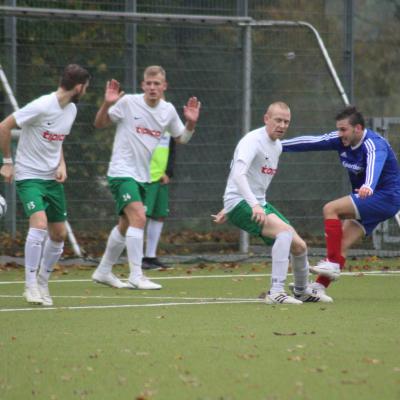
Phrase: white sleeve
(116, 112)
(239, 170)
(28, 113)
(176, 126)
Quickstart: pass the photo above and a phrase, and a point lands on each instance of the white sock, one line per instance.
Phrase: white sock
(51, 254)
(134, 248)
(115, 247)
(300, 271)
(280, 261)
(33, 253)
(153, 233)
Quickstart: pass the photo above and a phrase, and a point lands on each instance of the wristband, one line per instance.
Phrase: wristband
(186, 136)
(7, 160)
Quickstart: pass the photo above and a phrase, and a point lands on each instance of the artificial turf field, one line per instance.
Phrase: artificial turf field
(205, 335)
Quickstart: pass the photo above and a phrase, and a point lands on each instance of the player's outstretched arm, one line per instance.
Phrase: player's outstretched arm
(111, 96)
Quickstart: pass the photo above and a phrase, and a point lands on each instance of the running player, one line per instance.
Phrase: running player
(375, 179)
(255, 163)
(142, 120)
(40, 171)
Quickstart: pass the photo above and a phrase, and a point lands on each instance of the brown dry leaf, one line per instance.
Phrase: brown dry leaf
(373, 361)
(285, 333)
(296, 358)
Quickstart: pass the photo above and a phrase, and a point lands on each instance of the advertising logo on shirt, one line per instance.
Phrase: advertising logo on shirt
(268, 170)
(51, 137)
(146, 131)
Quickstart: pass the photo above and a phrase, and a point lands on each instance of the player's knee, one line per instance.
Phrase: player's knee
(59, 235)
(329, 210)
(298, 247)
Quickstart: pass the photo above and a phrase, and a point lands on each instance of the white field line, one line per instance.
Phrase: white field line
(232, 301)
(160, 278)
(85, 297)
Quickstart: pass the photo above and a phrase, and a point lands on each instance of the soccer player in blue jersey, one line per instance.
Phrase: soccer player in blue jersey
(375, 179)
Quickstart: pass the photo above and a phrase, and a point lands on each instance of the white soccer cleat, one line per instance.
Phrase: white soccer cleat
(281, 298)
(311, 294)
(32, 294)
(321, 289)
(327, 268)
(143, 283)
(109, 279)
(43, 287)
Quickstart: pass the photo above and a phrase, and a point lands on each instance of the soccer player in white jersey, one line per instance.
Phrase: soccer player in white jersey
(142, 120)
(40, 171)
(254, 164)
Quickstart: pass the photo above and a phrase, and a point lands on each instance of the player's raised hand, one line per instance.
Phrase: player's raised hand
(191, 110)
(113, 92)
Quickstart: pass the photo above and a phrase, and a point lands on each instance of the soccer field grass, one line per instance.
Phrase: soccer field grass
(205, 335)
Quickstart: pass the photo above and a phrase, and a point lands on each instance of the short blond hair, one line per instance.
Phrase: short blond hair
(153, 70)
(279, 104)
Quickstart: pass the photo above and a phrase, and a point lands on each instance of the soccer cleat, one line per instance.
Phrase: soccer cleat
(321, 289)
(143, 283)
(43, 287)
(153, 263)
(327, 268)
(311, 295)
(281, 298)
(109, 279)
(32, 294)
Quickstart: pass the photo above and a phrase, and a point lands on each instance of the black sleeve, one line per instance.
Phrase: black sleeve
(171, 159)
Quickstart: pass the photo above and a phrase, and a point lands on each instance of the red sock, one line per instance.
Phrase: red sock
(333, 238)
(323, 280)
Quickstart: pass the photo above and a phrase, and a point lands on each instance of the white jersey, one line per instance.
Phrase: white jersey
(44, 127)
(139, 130)
(260, 156)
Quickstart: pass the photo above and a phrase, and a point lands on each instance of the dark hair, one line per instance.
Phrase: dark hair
(353, 115)
(73, 75)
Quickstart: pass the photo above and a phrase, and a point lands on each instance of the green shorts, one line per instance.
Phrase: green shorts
(43, 195)
(240, 216)
(125, 191)
(156, 200)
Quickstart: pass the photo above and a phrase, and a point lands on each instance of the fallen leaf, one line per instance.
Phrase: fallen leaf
(296, 358)
(285, 334)
(373, 361)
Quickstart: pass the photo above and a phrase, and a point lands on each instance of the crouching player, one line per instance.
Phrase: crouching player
(254, 165)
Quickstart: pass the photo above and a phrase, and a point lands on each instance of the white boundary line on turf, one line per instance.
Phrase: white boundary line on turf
(72, 308)
(4, 296)
(160, 278)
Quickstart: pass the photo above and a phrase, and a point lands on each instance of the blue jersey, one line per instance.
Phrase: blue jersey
(371, 163)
